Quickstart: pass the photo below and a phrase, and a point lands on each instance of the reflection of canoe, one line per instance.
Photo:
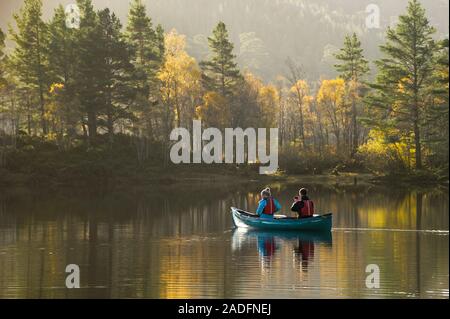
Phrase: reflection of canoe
(288, 235)
(248, 220)
(246, 236)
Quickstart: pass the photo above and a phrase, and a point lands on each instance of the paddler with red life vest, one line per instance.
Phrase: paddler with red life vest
(268, 205)
(303, 206)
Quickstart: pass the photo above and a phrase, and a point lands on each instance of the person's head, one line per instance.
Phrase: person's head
(265, 193)
(303, 192)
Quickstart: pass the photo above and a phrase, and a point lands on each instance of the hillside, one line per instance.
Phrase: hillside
(267, 32)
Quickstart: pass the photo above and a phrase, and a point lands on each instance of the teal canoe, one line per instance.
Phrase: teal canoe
(248, 220)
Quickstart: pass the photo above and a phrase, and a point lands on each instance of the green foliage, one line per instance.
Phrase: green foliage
(353, 64)
(146, 46)
(405, 75)
(221, 71)
(29, 60)
(2, 58)
(436, 137)
(88, 60)
(352, 69)
(62, 68)
(114, 72)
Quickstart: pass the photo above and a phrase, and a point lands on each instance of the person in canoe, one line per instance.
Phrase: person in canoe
(303, 206)
(268, 205)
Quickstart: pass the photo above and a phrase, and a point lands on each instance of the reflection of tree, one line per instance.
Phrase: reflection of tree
(419, 198)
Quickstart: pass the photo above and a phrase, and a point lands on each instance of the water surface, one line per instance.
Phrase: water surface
(180, 243)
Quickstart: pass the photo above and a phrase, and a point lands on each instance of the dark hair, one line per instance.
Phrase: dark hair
(303, 191)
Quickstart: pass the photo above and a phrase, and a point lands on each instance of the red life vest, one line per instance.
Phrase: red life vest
(270, 207)
(308, 208)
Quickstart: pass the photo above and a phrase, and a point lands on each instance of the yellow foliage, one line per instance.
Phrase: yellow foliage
(268, 99)
(214, 110)
(180, 75)
(332, 92)
(300, 86)
(401, 86)
(255, 83)
(301, 91)
(388, 145)
(174, 43)
(56, 88)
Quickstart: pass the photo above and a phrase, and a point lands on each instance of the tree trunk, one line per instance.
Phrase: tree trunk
(302, 128)
(302, 122)
(92, 126)
(42, 106)
(418, 145)
(110, 125)
(40, 79)
(355, 130)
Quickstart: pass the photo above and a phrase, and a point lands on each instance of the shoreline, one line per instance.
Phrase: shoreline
(176, 177)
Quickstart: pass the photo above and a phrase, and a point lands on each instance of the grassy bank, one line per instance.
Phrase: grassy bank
(34, 163)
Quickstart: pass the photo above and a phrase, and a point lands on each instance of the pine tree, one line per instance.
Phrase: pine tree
(62, 58)
(352, 69)
(143, 41)
(61, 47)
(221, 73)
(29, 57)
(437, 134)
(405, 73)
(160, 41)
(147, 50)
(2, 59)
(88, 62)
(114, 72)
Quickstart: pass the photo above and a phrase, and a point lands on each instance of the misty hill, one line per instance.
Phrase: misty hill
(267, 32)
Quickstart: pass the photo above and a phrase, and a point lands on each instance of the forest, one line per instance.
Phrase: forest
(98, 102)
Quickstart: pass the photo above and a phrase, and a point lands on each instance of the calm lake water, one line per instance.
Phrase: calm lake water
(180, 243)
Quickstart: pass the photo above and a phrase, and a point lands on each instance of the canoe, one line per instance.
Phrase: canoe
(249, 220)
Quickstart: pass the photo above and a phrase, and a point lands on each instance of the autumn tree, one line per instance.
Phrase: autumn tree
(246, 96)
(262, 102)
(301, 95)
(214, 110)
(331, 100)
(180, 80)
